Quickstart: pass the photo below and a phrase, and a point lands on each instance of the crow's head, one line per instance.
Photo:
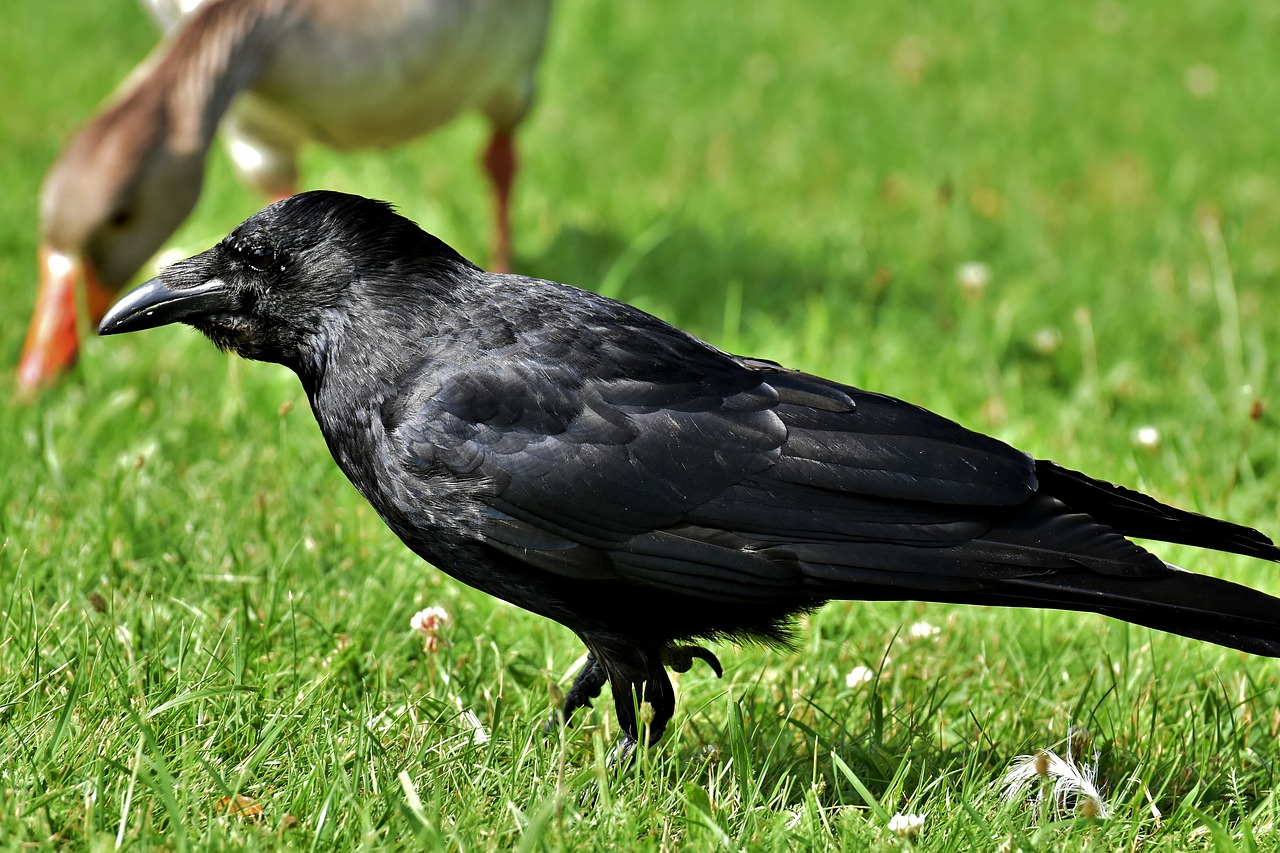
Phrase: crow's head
(285, 284)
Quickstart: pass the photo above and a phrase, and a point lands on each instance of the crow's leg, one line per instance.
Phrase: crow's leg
(586, 686)
(643, 697)
(644, 704)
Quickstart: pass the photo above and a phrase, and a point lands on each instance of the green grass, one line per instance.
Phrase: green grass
(195, 605)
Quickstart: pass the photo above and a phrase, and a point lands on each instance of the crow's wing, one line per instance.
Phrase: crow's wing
(737, 480)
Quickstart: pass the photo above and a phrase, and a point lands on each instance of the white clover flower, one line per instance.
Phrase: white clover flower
(1047, 340)
(973, 277)
(906, 826)
(1202, 80)
(1147, 437)
(858, 676)
(923, 630)
(430, 620)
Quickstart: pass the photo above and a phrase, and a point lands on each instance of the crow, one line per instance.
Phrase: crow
(586, 461)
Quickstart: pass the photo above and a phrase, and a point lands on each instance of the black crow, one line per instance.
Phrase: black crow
(586, 461)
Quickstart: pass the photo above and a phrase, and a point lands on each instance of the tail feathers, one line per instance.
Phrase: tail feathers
(1132, 513)
(1191, 605)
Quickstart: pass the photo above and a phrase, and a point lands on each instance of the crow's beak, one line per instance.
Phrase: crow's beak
(156, 303)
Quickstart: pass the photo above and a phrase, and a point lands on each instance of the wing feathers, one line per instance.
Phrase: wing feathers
(743, 482)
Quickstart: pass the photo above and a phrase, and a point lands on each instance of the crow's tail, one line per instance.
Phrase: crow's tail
(1132, 513)
(1197, 606)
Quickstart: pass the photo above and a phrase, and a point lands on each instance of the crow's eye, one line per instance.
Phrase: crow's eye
(259, 257)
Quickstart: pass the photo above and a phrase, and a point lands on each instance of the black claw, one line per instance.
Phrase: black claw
(587, 685)
(589, 796)
(554, 722)
(680, 659)
(622, 754)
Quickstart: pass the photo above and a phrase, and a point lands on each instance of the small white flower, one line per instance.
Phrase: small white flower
(923, 630)
(973, 277)
(1147, 436)
(1047, 340)
(430, 620)
(858, 676)
(1202, 80)
(906, 825)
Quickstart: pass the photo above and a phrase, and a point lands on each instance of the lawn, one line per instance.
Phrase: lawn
(1054, 222)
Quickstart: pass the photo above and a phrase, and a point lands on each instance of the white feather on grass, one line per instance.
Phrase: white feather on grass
(1075, 789)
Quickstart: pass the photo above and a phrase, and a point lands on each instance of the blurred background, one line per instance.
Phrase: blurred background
(1054, 222)
(1050, 199)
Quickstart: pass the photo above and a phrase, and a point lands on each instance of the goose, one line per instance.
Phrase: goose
(272, 74)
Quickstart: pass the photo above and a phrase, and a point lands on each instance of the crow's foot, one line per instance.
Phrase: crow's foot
(587, 685)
